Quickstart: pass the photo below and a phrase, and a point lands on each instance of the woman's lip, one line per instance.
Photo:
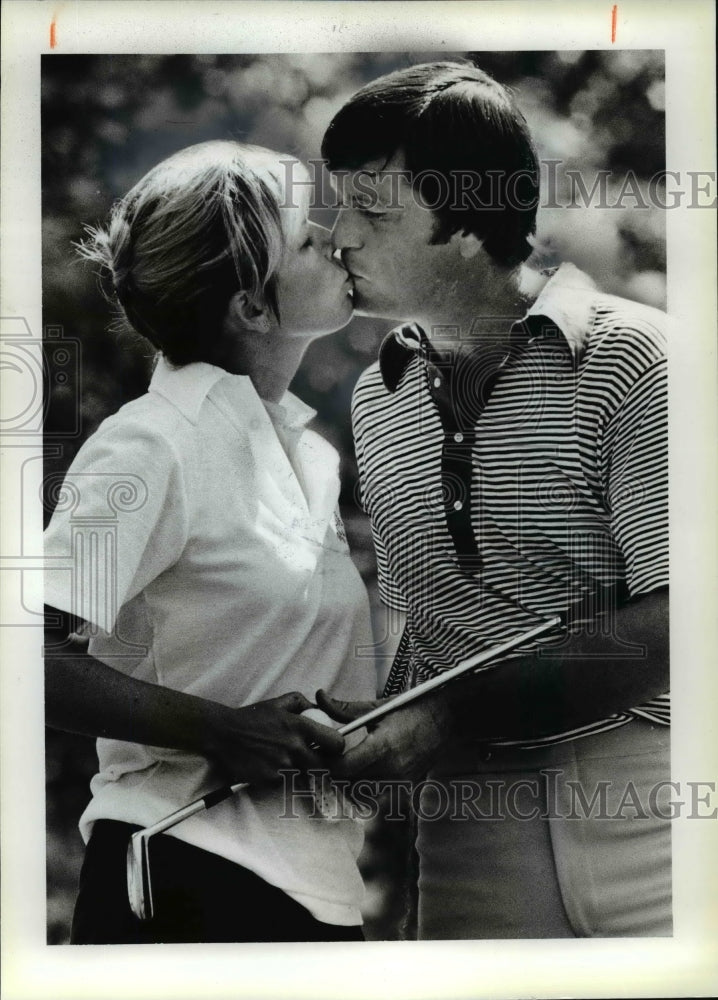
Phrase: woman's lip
(347, 275)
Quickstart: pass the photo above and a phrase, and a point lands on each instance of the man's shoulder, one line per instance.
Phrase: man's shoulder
(597, 322)
(369, 387)
(371, 375)
(623, 329)
(622, 313)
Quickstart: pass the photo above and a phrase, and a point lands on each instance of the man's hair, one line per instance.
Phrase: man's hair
(450, 119)
(200, 226)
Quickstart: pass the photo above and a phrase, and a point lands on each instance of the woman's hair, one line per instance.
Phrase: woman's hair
(200, 226)
(465, 144)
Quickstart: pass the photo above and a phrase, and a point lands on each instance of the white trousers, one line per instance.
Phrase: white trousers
(568, 841)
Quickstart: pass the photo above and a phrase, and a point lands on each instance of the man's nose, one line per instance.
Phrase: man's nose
(322, 240)
(346, 234)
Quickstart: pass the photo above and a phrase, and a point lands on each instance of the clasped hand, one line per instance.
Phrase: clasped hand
(402, 744)
(255, 743)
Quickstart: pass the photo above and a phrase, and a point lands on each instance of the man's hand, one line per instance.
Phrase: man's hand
(403, 744)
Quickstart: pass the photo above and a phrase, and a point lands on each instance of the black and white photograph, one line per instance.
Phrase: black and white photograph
(358, 456)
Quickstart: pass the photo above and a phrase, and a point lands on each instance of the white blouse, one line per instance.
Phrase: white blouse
(209, 556)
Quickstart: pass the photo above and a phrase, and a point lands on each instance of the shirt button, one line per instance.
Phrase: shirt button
(437, 382)
(458, 437)
(458, 505)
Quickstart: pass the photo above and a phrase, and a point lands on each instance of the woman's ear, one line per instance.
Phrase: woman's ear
(244, 311)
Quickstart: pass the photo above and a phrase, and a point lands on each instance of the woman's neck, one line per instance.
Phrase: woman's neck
(268, 359)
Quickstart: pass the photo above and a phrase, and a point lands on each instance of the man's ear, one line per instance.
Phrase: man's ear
(469, 243)
(246, 312)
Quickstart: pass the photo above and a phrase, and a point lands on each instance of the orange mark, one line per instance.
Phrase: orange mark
(614, 17)
(53, 34)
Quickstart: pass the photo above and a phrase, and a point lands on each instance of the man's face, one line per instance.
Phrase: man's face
(384, 235)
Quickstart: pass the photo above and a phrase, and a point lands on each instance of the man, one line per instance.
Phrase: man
(511, 443)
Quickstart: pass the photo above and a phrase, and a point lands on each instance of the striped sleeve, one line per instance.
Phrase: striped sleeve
(635, 458)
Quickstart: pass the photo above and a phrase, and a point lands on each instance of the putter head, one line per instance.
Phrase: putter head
(139, 885)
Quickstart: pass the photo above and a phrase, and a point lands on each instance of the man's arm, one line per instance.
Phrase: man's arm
(253, 743)
(585, 679)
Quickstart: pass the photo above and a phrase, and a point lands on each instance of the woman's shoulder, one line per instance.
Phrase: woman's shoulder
(147, 432)
(148, 410)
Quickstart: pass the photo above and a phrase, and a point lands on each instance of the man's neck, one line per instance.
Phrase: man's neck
(473, 319)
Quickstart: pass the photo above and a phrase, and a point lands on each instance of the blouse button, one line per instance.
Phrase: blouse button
(437, 382)
(458, 505)
(458, 437)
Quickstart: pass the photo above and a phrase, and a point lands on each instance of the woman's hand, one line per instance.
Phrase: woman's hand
(83, 695)
(258, 741)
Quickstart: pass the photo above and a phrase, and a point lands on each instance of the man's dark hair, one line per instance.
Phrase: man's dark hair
(450, 119)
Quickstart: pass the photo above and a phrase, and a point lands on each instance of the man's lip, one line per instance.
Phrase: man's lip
(352, 274)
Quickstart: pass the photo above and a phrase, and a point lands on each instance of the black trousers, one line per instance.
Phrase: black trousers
(198, 897)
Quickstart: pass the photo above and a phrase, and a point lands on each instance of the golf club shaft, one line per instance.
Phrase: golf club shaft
(219, 794)
(206, 802)
(448, 675)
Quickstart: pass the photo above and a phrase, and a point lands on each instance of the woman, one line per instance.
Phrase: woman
(209, 564)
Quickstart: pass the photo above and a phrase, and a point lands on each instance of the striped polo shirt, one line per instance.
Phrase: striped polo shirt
(502, 492)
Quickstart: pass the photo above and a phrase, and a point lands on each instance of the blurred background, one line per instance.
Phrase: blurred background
(107, 119)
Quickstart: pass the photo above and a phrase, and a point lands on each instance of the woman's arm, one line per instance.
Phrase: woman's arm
(253, 743)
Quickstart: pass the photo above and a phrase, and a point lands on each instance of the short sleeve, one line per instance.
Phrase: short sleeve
(635, 475)
(121, 520)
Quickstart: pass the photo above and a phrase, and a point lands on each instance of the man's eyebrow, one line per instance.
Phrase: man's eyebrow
(363, 197)
(370, 199)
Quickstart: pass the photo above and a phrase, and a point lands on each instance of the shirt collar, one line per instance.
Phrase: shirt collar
(566, 301)
(188, 387)
(290, 411)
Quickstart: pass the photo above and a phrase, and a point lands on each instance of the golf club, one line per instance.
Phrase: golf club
(139, 883)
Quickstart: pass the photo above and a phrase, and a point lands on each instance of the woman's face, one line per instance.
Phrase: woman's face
(314, 291)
